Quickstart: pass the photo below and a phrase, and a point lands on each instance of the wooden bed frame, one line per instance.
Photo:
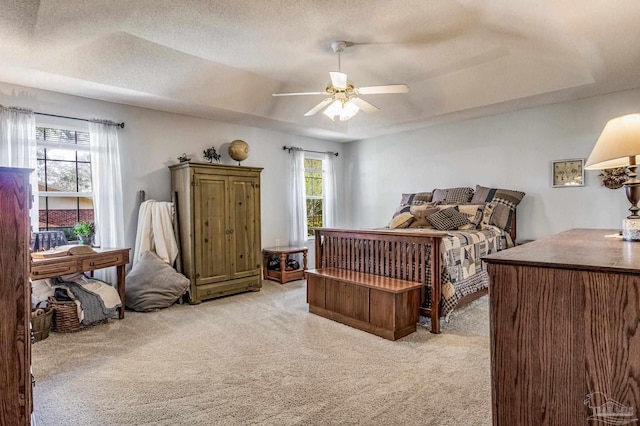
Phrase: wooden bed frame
(390, 254)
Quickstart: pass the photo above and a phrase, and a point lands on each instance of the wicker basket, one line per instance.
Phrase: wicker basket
(65, 316)
(41, 324)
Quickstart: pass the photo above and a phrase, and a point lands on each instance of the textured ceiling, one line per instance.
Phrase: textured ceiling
(223, 60)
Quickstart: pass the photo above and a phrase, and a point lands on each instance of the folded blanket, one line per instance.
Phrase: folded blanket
(98, 299)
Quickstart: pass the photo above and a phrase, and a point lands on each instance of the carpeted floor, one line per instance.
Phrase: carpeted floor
(261, 359)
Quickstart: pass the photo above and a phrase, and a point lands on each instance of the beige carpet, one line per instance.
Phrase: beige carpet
(262, 359)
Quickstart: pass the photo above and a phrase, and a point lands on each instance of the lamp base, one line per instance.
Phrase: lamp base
(631, 229)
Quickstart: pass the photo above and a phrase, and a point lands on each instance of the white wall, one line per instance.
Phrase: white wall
(152, 140)
(512, 151)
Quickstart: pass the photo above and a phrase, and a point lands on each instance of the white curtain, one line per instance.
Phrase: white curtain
(329, 190)
(18, 148)
(297, 201)
(106, 181)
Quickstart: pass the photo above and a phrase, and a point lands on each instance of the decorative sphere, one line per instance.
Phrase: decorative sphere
(239, 150)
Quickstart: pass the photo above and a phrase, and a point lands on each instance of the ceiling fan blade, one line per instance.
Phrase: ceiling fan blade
(389, 88)
(364, 105)
(338, 79)
(298, 93)
(318, 107)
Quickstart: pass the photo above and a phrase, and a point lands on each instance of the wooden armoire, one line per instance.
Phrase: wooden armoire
(218, 208)
(15, 299)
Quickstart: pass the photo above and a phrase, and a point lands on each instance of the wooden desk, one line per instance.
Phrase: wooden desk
(104, 258)
(284, 276)
(565, 330)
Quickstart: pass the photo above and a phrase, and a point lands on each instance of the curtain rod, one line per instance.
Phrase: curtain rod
(121, 125)
(295, 148)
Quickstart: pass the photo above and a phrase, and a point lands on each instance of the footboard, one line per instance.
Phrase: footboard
(389, 254)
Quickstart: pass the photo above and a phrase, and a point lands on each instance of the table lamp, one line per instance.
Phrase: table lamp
(618, 146)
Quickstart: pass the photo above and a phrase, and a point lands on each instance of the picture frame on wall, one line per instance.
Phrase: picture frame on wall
(567, 173)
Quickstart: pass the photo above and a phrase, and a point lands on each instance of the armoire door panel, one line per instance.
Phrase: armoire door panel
(245, 236)
(211, 229)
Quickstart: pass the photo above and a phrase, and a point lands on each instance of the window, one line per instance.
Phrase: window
(314, 195)
(64, 179)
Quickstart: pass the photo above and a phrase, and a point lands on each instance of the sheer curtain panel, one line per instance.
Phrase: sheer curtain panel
(18, 148)
(329, 190)
(106, 181)
(297, 201)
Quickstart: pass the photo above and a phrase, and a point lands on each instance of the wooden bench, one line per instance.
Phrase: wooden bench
(386, 307)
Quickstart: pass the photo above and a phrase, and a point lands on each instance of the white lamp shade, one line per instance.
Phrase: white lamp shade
(341, 110)
(619, 140)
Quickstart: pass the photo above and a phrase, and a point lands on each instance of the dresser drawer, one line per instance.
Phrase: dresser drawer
(103, 262)
(52, 270)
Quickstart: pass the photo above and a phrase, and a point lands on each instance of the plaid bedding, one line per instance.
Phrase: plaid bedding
(462, 271)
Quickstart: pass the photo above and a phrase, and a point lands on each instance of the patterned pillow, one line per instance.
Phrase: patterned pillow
(474, 213)
(420, 214)
(448, 219)
(504, 196)
(498, 214)
(486, 215)
(452, 195)
(403, 220)
(416, 199)
(402, 208)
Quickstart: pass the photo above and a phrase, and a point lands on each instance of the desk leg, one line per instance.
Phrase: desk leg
(121, 274)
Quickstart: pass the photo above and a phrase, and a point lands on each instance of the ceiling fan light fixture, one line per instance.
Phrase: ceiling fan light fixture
(341, 109)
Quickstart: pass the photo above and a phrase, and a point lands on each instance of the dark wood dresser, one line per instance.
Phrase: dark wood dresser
(15, 298)
(565, 331)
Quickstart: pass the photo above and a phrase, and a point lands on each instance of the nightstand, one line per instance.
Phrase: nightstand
(283, 276)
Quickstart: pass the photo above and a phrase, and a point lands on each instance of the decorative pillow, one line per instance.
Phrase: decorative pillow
(420, 214)
(152, 284)
(474, 212)
(416, 199)
(402, 208)
(486, 215)
(403, 220)
(504, 196)
(498, 214)
(448, 219)
(453, 195)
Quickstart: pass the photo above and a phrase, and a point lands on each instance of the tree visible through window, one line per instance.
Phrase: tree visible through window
(64, 179)
(314, 195)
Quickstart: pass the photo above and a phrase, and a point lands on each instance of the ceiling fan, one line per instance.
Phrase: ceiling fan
(344, 101)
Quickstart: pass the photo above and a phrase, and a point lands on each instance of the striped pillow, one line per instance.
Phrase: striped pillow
(416, 199)
(507, 197)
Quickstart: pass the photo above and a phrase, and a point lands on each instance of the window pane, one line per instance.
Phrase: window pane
(41, 175)
(61, 154)
(310, 163)
(314, 215)
(40, 153)
(62, 136)
(84, 156)
(64, 212)
(84, 177)
(313, 184)
(61, 176)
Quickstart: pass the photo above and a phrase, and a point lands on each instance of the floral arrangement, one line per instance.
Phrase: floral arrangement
(614, 178)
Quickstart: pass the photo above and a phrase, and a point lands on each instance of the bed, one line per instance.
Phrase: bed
(406, 252)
